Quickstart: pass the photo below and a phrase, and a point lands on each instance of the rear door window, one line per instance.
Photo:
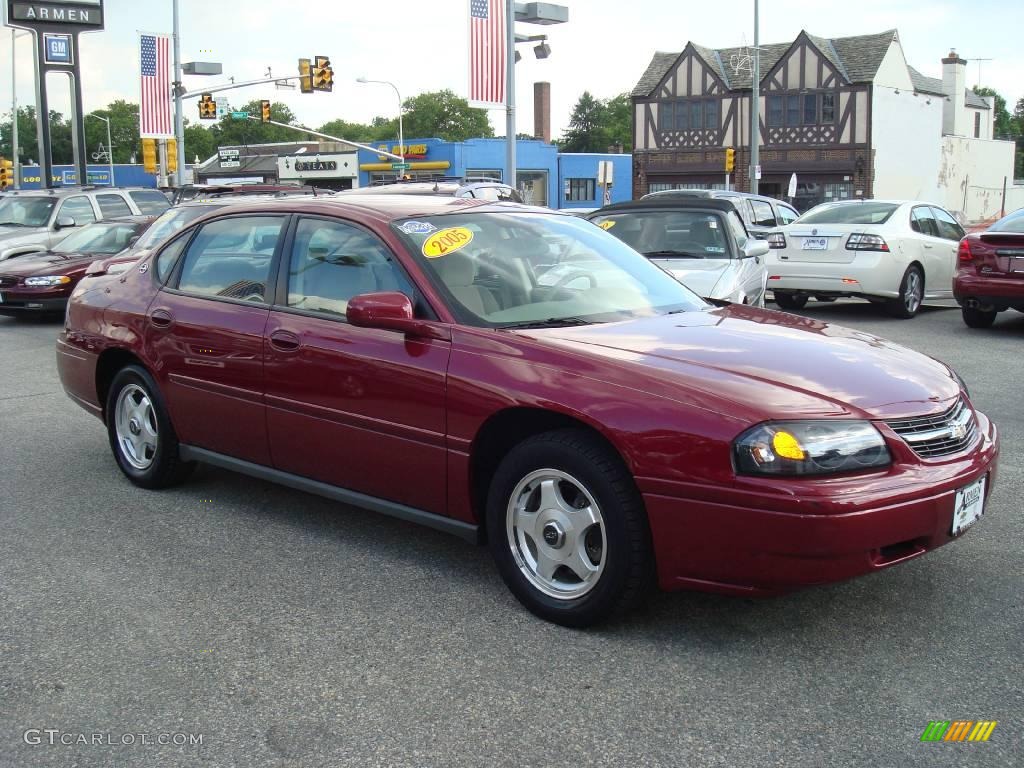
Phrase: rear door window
(787, 215)
(922, 221)
(947, 225)
(149, 201)
(230, 258)
(112, 206)
(78, 208)
(761, 213)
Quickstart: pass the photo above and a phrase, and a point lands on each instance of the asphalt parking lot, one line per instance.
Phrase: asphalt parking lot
(288, 630)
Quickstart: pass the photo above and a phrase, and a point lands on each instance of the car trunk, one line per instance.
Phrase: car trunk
(823, 243)
(1001, 252)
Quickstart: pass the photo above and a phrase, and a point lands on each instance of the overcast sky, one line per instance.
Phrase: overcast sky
(421, 46)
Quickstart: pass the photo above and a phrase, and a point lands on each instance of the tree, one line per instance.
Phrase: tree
(586, 131)
(28, 148)
(619, 121)
(231, 132)
(444, 115)
(124, 131)
(199, 142)
(380, 130)
(1003, 121)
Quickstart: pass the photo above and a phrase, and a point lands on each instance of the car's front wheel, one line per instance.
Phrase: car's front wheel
(568, 529)
(979, 318)
(140, 431)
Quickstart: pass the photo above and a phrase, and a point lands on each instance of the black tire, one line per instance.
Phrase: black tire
(627, 572)
(911, 295)
(790, 301)
(164, 467)
(979, 318)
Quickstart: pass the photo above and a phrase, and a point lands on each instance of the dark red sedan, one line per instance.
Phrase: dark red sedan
(40, 283)
(989, 277)
(599, 431)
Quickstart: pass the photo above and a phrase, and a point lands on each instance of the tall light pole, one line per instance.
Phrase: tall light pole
(755, 108)
(110, 147)
(14, 111)
(401, 131)
(179, 125)
(528, 13)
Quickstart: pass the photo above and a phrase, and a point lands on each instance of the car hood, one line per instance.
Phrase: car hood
(758, 364)
(699, 275)
(47, 263)
(13, 235)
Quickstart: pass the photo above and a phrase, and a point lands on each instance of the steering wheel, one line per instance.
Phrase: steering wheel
(573, 276)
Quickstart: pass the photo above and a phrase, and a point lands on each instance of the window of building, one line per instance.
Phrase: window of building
(533, 187)
(810, 108)
(828, 108)
(801, 109)
(977, 125)
(793, 109)
(113, 205)
(580, 189)
(711, 115)
(775, 111)
(230, 258)
(689, 115)
(331, 262)
(484, 173)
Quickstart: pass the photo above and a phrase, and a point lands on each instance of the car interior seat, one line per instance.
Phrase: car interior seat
(458, 272)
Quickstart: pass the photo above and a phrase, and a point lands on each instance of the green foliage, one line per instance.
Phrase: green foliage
(231, 132)
(124, 131)
(444, 115)
(28, 149)
(595, 125)
(199, 142)
(1003, 120)
(380, 130)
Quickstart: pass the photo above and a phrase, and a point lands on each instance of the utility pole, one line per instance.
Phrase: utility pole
(179, 125)
(510, 92)
(755, 107)
(14, 115)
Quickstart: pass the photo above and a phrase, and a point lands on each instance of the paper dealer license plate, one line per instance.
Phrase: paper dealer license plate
(815, 243)
(968, 505)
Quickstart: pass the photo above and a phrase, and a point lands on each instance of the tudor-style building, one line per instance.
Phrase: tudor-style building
(830, 111)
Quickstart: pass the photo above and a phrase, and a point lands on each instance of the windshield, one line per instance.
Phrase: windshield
(98, 238)
(171, 221)
(522, 269)
(1012, 223)
(669, 234)
(849, 213)
(26, 211)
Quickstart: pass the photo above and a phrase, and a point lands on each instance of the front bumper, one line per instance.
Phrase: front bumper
(22, 302)
(761, 544)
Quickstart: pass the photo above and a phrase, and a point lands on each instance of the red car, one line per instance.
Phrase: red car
(40, 283)
(599, 431)
(989, 277)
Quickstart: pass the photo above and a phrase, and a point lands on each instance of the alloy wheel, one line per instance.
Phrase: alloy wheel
(136, 426)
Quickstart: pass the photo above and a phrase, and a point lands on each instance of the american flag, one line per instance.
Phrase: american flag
(487, 51)
(155, 84)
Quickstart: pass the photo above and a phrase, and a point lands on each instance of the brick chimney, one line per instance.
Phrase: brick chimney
(542, 111)
(954, 86)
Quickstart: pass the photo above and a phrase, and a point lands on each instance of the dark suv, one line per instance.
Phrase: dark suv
(760, 214)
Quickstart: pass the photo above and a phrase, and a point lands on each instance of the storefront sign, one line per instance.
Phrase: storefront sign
(82, 13)
(316, 165)
(412, 151)
(59, 49)
(339, 165)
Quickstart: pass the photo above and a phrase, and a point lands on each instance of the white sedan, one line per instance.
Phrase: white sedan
(895, 252)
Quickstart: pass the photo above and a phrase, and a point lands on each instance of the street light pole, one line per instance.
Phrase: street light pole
(510, 92)
(401, 130)
(755, 108)
(179, 126)
(14, 115)
(110, 146)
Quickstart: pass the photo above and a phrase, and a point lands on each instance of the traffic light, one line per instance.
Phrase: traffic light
(265, 111)
(172, 155)
(149, 155)
(323, 75)
(305, 76)
(207, 107)
(730, 159)
(6, 173)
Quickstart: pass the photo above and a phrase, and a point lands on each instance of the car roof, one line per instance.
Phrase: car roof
(380, 207)
(140, 219)
(64, 191)
(667, 203)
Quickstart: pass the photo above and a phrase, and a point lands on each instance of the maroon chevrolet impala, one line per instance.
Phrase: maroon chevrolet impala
(521, 377)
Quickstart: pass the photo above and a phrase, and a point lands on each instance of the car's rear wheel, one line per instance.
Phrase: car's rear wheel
(568, 529)
(140, 431)
(911, 294)
(979, 318)
(790, 301)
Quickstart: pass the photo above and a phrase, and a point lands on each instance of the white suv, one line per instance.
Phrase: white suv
(36, 220)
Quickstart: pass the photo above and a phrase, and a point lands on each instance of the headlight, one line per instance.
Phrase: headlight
(809, 448)
(48, 280)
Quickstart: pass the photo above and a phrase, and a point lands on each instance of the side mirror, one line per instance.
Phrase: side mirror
(63, 222)
(753, 248)
(390, 310)
(133, 240)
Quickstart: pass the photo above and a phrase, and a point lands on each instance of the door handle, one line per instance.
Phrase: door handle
(161, 318)
(284, 341)
(929, 246)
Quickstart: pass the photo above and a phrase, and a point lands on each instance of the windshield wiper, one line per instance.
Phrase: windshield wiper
(551, 322)
(676, 254)
(12, 224)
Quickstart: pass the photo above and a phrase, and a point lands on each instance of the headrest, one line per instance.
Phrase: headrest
(456, 270)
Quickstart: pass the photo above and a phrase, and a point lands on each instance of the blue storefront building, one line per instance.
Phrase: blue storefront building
(66, 175)
(545, 176)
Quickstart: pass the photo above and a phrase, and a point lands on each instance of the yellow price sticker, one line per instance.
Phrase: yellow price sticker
(606, 224)
(446, 241)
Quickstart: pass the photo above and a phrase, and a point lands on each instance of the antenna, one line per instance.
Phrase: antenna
(972, 58)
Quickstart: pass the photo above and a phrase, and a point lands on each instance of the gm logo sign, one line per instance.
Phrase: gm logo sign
(58, 49)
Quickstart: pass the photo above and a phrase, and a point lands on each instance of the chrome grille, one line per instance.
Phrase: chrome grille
(6, 281)
(941, 434)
